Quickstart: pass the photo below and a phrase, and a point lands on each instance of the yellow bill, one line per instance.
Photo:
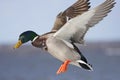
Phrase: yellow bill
(18, 44)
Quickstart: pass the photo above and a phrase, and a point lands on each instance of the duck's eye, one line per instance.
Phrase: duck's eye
(22, 38)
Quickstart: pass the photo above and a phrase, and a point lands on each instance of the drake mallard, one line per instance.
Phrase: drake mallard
(70, 27)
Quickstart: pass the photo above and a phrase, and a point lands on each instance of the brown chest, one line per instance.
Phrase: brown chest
(40, 42)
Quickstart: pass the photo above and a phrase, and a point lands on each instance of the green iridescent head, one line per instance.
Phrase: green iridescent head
(25, 37)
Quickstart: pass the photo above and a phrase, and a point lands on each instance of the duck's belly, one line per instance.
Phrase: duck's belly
(60, 50)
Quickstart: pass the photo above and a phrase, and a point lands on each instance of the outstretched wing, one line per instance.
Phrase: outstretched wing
(77, 8)
(76, 28)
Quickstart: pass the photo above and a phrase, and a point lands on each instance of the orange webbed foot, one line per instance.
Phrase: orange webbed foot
(63, 67)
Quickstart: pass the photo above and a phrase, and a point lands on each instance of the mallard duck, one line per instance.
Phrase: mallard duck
(70, 27)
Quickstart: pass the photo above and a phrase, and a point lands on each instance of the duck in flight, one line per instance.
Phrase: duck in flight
(69, 28)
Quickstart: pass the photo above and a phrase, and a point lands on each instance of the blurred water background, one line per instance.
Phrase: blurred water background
(29, 63)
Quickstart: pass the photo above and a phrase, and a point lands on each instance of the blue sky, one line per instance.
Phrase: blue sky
(17, 16)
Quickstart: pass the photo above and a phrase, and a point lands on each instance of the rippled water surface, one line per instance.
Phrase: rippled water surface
(29, 63)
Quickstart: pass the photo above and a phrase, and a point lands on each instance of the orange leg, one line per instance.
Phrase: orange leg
(63, 67)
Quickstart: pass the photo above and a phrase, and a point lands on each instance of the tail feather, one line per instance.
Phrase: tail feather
(85, 65)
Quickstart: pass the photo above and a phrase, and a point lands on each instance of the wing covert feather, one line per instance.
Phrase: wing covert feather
(77, 8)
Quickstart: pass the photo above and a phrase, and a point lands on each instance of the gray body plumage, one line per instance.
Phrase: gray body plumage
(63, 51)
